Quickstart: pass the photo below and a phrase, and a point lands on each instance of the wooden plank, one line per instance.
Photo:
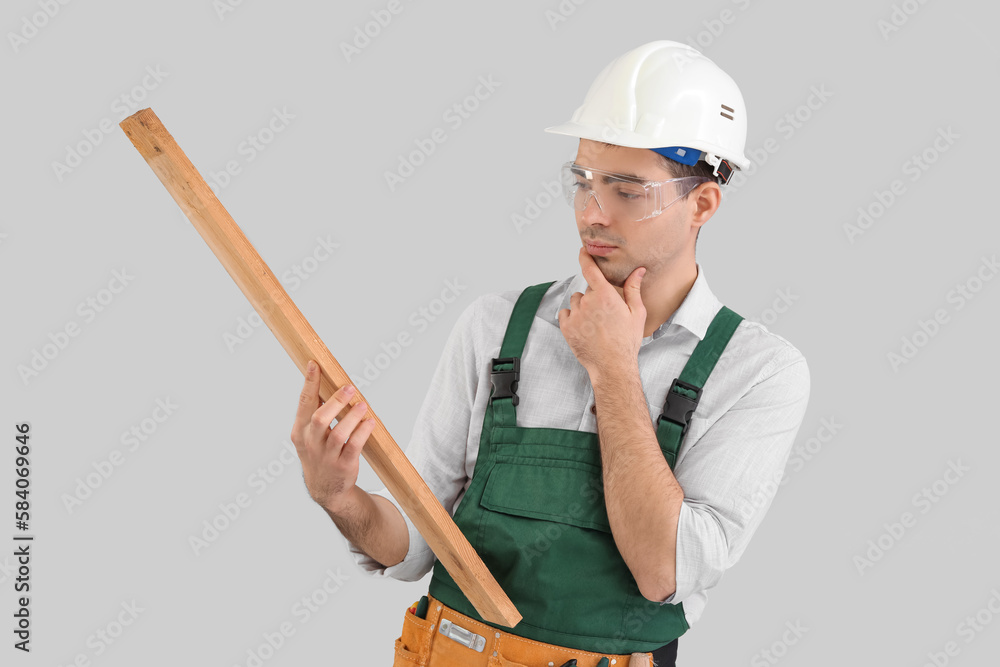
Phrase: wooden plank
(300, 341)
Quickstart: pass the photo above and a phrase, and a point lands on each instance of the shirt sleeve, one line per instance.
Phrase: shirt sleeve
(732, 473)
(438, 446)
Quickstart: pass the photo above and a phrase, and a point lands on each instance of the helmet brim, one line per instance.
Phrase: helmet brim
(629, 139)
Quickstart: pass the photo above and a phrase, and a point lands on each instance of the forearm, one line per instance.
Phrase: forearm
(373, 524)
(642, 495)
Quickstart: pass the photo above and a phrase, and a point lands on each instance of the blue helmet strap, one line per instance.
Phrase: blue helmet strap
(688, 156)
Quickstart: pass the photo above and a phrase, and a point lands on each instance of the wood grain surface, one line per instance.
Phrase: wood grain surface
(300, 341)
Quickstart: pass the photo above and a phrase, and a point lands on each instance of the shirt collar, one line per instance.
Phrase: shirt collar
(695, 313)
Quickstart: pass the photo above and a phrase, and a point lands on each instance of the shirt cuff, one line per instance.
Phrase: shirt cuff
(418, 561)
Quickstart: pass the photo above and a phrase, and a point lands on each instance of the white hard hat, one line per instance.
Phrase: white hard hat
(668, 97)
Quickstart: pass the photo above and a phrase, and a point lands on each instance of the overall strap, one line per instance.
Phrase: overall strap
(685, 392)
(505, 369)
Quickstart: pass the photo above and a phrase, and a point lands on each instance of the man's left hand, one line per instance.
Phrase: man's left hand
(603, 330)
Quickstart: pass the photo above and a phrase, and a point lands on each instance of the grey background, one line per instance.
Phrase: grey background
(780, 233)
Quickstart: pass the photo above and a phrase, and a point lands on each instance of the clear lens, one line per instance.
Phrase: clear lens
(619, 196)
(675, 188)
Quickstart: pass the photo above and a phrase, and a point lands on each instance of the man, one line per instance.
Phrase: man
(608, 442)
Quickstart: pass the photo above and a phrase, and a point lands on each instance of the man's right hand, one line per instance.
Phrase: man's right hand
(329, 456)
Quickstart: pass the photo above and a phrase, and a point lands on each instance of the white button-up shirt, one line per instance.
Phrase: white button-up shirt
(729, 463)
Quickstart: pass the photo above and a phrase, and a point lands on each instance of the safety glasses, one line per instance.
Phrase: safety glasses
(621, 196)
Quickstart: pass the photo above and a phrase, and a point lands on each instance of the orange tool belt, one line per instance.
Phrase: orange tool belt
(447, 638)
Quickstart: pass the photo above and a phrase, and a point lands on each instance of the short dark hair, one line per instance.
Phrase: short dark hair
(678, 170)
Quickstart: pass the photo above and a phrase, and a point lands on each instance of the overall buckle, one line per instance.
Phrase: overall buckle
(679, 408)
(504, 383)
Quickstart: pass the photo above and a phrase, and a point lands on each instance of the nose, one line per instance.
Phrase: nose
(593, 213)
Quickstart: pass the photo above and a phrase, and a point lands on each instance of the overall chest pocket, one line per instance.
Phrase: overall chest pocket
(545, 536)
(568, 492)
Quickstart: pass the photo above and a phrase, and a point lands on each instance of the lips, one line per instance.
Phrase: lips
(599, 250)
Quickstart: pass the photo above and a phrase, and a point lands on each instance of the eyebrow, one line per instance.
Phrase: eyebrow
(608, 179)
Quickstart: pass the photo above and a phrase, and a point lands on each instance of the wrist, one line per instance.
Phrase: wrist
(614, 377)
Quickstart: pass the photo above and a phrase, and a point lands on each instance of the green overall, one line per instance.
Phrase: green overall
(535, 511)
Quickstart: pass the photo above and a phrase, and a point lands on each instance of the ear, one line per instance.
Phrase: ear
(705, 200)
